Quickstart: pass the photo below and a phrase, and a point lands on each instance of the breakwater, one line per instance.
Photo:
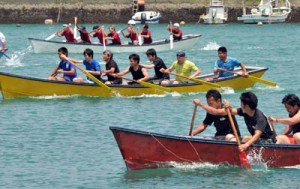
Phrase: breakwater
(112, 13)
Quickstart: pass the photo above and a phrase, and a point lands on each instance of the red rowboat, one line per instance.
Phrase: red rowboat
(142, 150)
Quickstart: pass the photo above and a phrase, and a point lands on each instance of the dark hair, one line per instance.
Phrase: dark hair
(89, 52)
(151, 52)
(222, 49)
(291, 99)
(109, 53)
(146, 26)
(63, 50)
(135, 57)
(214, 93)
(250, 99)
(95, 27)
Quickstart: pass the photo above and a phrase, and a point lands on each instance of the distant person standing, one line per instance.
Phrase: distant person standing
(68, 33)
(177, 33)
(146, 34)
(2, 44)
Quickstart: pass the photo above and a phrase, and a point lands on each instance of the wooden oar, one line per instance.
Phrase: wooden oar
(105, 87)
(197, 80)
(150, 85)
(257, 79)
(103, 38)
(193, 120)
(242, 155)
(51, 36)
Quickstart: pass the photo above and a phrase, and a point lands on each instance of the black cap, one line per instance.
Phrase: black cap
(180, 53)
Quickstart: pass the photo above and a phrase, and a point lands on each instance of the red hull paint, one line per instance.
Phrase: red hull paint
(142, 150)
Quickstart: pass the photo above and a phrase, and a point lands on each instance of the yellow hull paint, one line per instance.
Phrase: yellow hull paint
(19, 86)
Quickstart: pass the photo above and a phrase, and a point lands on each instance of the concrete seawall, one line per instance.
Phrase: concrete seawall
(112, 13)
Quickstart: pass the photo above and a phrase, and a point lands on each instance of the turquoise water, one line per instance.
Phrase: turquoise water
(65, 142)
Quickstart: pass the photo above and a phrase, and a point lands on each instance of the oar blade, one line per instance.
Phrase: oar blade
(243, 160)
(260, 80)
(158, 87)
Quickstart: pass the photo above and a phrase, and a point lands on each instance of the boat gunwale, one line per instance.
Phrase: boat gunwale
(256, 69)
(154, 43)
(199, 139)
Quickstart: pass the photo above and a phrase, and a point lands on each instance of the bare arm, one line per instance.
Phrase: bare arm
(287, 121)
(150, 66)
(245, 73)
(199, 129)
(197, 72)
(146, 75)
(253, 139)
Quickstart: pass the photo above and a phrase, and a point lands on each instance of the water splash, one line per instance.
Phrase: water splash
(193, 165)
(211, 46)
(17, 57)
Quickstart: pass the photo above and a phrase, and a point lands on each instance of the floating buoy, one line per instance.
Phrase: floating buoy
(18, 25)
(259, 23)
(48, 21)
(182, 23)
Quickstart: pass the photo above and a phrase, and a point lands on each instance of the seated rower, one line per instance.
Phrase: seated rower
(146, 34)
(132, 35)
(137, 71)
(99, 33)
(91, 65)
(111, 68)
(227, 63)
(291, 135)
(65, 67)
(113, 36)
(221, 122)
(183, 67)
(177, 33)
(68, 33)
(157, 64)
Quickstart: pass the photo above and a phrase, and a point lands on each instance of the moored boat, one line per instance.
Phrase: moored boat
(141, 150)
(216, 13)
(45, 46)
(149, 17)
(12, 86)
(268, 11)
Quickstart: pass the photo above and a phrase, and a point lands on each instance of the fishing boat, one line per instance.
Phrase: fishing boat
(13, 86)
(141, 150)
(216, 13)
(149, 17)
(45, 46)
(268, 11)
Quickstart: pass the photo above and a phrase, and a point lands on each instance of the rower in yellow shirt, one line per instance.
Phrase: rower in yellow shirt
(183, 67)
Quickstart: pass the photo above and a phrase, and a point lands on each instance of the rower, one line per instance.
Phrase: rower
(177, 33)
(68, 33)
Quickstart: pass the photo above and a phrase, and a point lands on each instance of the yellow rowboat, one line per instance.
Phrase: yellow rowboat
(13, 86)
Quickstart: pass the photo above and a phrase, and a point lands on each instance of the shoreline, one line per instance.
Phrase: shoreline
(95, 13)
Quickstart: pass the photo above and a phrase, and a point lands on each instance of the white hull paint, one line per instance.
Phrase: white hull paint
(43, 46)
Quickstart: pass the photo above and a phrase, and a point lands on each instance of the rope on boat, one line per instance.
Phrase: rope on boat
(170, 150)
(194, 149)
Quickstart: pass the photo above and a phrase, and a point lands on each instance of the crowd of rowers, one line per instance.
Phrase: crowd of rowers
(260, 127)
(113, 35)
(185, 69)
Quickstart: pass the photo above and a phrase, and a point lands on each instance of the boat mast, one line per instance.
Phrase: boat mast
(244, 8)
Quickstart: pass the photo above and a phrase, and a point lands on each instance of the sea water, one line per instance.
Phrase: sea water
(65, 141)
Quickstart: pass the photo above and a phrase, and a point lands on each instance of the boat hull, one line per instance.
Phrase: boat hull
(13, 86)
(44, 46)
(141, 150)
(254, 19)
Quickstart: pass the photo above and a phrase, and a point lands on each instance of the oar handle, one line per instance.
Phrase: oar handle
(233, 126)
(193, 120)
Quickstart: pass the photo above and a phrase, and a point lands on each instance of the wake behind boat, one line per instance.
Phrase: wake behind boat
(13, 86)
(45, 46)
(141, 150)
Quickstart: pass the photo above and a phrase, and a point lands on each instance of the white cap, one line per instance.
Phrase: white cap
(65, 25)
(176, 25)
(131, 22)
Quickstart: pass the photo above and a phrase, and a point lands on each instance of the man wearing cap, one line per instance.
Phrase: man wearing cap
(2, 44)
(177, 33)
(68, 33)
(111, 68)
(99, 33)
(183, 67)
